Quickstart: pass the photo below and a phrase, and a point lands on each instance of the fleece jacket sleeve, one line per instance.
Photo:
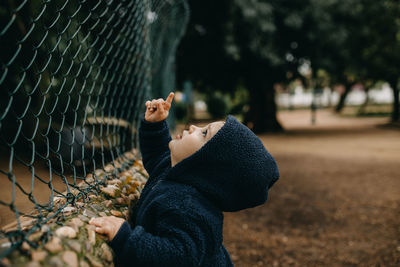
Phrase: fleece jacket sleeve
(153, 141)
(180, 241)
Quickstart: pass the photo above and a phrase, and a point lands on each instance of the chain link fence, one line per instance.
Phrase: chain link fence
(74, 77)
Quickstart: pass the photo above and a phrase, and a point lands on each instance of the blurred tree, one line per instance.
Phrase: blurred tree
(238, 42)
(381, 48)
(258, 43)
(201, 54)
(262, 42)
(354, 43)
(252, 41)
(328, 47)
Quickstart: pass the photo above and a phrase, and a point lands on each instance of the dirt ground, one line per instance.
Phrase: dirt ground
(39, 190)
(337, 202)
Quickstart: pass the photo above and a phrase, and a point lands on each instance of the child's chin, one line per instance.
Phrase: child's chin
(170, 143)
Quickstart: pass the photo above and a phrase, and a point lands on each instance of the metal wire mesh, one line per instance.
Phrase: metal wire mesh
(74, 75)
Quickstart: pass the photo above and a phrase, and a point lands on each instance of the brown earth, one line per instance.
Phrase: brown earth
(26, 185)
(337, 202)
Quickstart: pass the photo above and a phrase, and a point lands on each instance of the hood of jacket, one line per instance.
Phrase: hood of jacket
(233, 169)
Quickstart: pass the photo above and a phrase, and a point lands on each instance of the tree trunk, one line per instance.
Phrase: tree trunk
(261, 116)
(364, 105)
(396, 106)
(343, 96)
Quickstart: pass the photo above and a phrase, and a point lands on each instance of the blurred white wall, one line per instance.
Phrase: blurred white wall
(303, 98)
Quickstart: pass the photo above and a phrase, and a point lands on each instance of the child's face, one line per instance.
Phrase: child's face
(190, 141)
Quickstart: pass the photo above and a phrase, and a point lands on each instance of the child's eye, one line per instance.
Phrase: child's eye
(205, 132)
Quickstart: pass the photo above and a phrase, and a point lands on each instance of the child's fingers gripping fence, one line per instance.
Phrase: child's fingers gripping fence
(73, 79)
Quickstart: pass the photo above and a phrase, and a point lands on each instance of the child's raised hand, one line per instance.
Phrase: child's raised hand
(108, 226)
(158, 109)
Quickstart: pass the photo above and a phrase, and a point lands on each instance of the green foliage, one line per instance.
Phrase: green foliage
(217, 105)
(239, 103)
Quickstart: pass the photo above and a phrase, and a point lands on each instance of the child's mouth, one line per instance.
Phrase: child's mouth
(178, 136)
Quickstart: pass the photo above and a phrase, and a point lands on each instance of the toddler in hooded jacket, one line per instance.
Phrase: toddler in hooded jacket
(193, 179)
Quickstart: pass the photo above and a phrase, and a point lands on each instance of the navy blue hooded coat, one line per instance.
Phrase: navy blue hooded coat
(179, 216)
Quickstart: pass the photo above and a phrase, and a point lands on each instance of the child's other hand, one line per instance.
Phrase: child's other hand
(158, 109)
(108, 226)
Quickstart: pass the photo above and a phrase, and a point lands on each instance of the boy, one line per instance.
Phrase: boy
(193, 179)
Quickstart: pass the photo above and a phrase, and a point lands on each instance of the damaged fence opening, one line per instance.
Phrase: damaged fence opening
(73, 79)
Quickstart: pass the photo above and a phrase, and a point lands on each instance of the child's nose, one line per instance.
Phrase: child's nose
(192, 128)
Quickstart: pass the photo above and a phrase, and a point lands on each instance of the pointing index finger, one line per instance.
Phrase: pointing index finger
(169, 98)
